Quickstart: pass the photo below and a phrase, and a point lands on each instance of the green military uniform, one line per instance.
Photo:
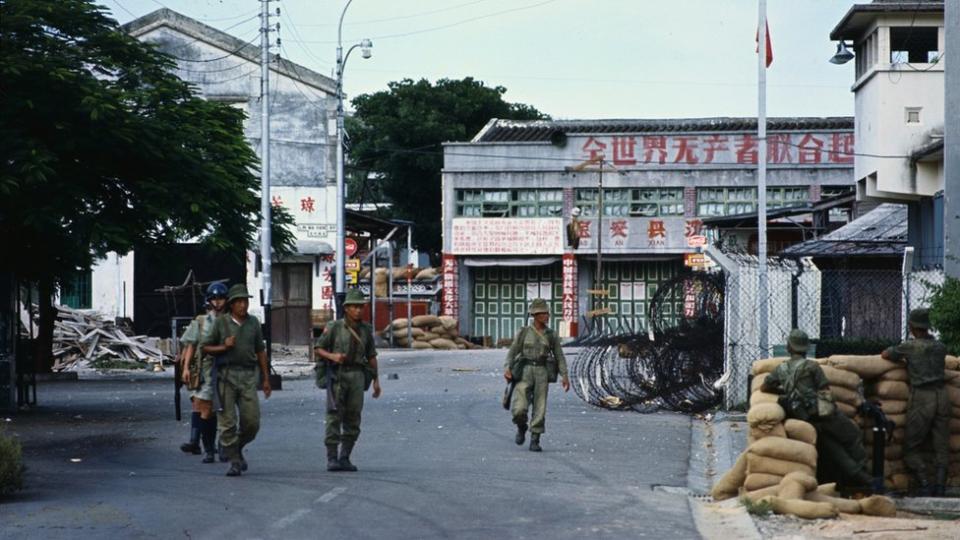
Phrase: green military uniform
(531, 359)
(350, 379)
(195, 333)
(928, 408)
(237, 377)
(805, 395)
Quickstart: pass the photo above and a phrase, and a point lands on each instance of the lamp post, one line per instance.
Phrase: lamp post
(365, 45)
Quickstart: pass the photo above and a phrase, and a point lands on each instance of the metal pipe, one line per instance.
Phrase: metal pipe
(266, 257)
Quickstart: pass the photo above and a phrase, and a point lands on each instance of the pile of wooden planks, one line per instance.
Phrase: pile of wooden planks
(83, 337)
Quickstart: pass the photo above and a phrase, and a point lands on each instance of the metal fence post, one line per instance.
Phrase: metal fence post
(907, 269)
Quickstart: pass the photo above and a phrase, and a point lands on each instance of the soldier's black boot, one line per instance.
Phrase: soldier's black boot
(333, 460)
(939, 482)
(209, 437)
(521, 434)
(923, 485)
(222, 453)
(535, 442)
(193, 447)
(235, 469)
(345, 464)
(243, 461)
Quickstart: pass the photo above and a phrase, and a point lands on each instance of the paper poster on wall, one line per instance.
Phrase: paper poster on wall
(639, 290)
(626, 291)
(533, 290)
(546, 290)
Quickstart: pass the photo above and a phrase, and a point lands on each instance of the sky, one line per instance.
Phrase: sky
(572, 59)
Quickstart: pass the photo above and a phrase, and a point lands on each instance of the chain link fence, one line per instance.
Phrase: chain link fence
(830, 305)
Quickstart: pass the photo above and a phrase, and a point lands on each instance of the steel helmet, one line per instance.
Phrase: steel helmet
(216, 290)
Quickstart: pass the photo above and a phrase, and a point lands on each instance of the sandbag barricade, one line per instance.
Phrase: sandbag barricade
(428, 332)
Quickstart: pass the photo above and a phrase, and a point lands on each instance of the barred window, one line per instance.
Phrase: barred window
(509, 203)
(646, 202)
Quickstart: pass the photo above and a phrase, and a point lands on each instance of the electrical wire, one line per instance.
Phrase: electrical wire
(401, 17)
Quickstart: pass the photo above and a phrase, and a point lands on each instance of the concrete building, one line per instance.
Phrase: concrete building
(510, 193)
(899, 111)
(303, 159)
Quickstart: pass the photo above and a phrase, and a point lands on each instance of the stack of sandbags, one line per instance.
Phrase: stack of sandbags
(429, 332)
(953, 389)
(847, 389)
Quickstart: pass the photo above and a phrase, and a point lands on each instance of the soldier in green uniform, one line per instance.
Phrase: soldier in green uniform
(534, 360)
(236, 341)
(203, 421)
(805, 395)
(350, 367)
(928, 409)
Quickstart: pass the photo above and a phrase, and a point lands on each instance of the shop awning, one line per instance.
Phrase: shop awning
(313, 247)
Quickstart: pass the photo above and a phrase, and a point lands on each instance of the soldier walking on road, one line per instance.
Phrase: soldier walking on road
(534, 360)
(236, 341)
(805, 395)
(928, 409)
(350, 367)
(197, 375)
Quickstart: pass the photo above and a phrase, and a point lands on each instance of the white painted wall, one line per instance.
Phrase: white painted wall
(112, 285)
(882, 96)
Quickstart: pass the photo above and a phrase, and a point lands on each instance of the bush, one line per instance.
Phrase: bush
(945, 313)
(11, 465)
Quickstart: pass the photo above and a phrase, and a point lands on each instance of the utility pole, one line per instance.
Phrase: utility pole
(266, 257)
(951, 141)
(762, 180)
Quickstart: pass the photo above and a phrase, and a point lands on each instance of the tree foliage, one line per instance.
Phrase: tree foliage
(104, 149)
(396, 134)
(945, 313)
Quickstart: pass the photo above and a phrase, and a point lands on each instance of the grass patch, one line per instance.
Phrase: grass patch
(109, 362)
(759, 508)
(11, 465)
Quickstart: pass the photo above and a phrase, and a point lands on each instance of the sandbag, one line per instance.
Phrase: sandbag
(867, 367)
(954, 425)
(438, 329)
(893, 390)
(899, 374)
(952, 362)
(427, 336)
(951, 377)
(729, 484)
(801, 508)
(756, 383)
(790, 489)
(846, 395)
(426, 274)
(765, 413)
(893, 406)
(448, 322)
(426, 320)
(827, 489)
(878, 505)
(954, 393)
(897, 482)
(808, 482)
(422, 345)
(799, 430)
(759, 494)
(399, 323)
(899, 420)
(443, 344)
(898, 434)
(779, 467)
(757, 398)
(785, 449)
(846, 409)
(893, 452)
(847, 506)
(955, 443)
(766, 430)
(757, 481)
(840, 377)
(402, 341)
(767, 365)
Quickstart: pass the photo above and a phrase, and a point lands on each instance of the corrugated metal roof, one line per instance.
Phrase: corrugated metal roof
(882, 232)
(499, 130)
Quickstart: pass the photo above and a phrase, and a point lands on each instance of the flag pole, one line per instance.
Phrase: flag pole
(762, 181)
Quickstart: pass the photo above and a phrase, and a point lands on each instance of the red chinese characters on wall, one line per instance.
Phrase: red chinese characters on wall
(306, 204)
(656, 233)
(276, 200)
(451, 296)
(799, 148)
(569, 287)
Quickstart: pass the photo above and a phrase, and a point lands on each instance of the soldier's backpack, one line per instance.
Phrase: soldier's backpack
(195, 361)
(802, 401)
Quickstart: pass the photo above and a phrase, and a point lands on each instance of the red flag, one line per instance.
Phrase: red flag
(769, 45)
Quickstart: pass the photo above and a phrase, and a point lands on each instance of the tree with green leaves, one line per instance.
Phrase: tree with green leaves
(104, 149)
(396, 137)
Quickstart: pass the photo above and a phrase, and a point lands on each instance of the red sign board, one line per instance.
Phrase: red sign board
(350, 246)
(696, 240)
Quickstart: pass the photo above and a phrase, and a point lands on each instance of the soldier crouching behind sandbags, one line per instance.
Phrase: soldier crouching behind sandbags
(805, 395)
(533, 362)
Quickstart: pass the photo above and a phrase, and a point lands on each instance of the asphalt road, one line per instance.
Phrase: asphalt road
(436, 459)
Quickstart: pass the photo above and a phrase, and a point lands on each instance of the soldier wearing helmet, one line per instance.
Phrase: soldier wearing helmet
(534, 360)
(197, 376)
(805, 395)
(928, 409)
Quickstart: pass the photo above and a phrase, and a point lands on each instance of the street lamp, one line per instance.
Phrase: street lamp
(365, 46)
